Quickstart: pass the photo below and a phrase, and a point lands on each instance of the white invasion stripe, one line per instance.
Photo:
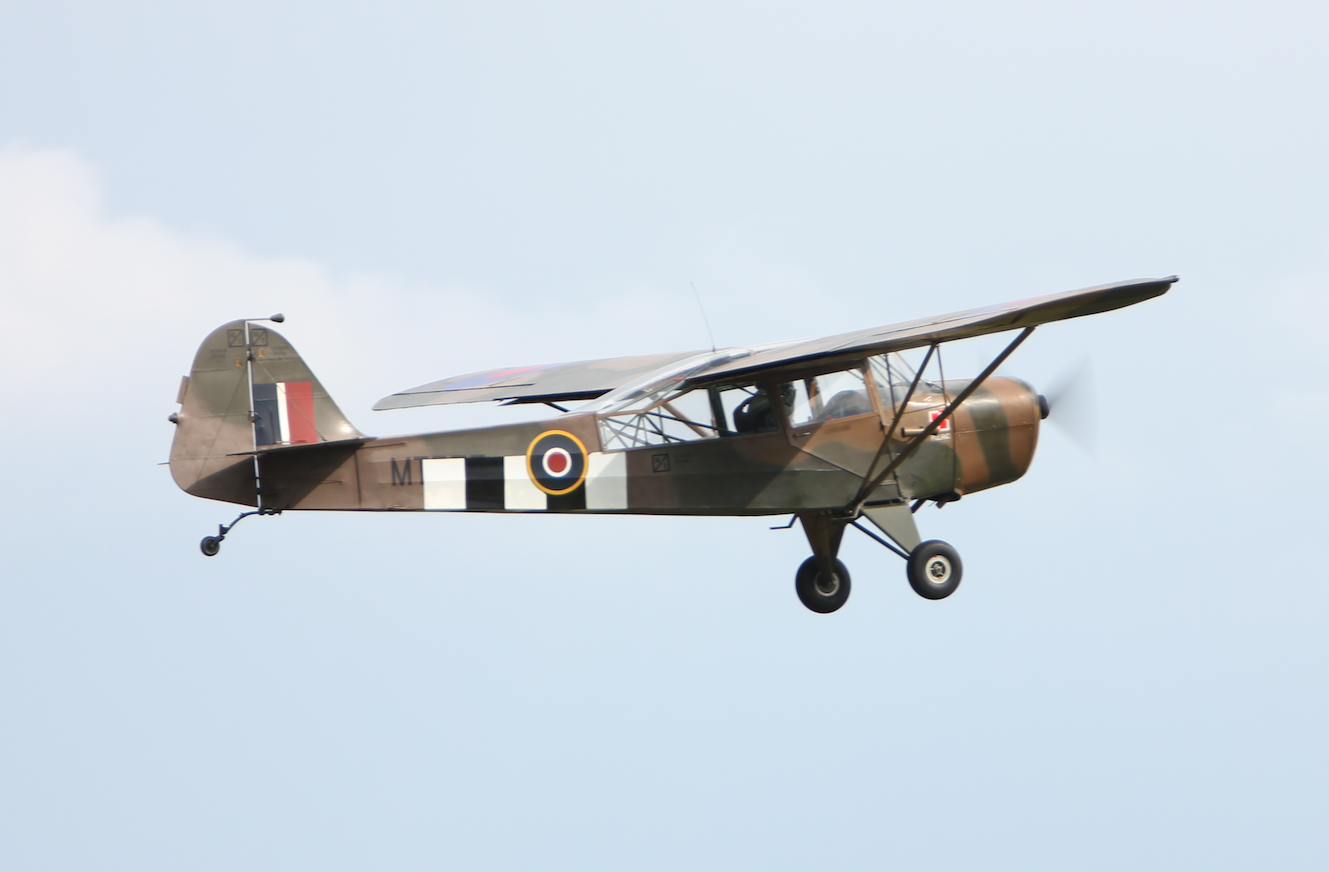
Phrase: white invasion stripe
(283, 415)
(519, 492)
(444, 483)
(607, 481)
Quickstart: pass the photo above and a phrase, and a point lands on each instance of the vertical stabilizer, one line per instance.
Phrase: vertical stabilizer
(248, 390)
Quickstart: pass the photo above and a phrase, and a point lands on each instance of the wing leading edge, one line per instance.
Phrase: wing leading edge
(588, 379)
(944, 328)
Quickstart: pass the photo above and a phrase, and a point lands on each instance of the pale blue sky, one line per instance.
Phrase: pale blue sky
(1132, 672)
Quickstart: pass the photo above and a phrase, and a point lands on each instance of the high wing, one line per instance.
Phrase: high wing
(550, 383)
(943, 328)
(588, 379)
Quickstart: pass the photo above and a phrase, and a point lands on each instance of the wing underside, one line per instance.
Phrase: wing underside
(550, 383)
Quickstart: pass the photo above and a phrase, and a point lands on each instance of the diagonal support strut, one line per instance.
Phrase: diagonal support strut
(856, 506)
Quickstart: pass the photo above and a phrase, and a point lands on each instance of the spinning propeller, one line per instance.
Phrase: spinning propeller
(1070, 402)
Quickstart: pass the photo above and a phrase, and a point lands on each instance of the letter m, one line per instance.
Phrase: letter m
(402, 475)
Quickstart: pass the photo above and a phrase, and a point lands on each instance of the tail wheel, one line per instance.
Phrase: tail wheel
(820, 592)
(934, 570)
(210, 546)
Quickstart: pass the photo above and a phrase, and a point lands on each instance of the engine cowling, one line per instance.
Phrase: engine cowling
(996, 432)
(990, 440)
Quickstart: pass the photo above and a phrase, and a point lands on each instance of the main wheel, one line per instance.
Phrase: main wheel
(819, 593)
(934, 570)
(210, 546)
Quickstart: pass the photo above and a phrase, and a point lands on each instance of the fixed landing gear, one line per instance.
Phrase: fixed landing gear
(934, 570)
(212, 544)
(822, 583)
(822, 592)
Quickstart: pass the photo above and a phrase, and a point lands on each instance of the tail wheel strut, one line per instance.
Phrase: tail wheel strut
(212, 544)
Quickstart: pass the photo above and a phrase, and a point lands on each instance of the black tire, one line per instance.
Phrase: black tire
(815, 593)
(210, 546)
(934, 570)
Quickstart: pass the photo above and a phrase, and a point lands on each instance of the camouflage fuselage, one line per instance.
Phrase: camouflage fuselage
(989, 440)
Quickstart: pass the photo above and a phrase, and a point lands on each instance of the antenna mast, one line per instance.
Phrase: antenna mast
(705, 320)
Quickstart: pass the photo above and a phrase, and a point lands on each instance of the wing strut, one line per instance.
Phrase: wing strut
(856, 506)
(895, 422)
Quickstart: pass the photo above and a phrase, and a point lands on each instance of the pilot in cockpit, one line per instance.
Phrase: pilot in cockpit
(756, 415)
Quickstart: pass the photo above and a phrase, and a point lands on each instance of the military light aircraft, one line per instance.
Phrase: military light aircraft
(835, 432)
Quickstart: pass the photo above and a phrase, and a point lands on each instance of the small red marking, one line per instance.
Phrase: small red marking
(557, 462)
(945, 425)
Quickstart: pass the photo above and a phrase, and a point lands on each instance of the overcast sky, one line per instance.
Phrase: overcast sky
(1132, 673)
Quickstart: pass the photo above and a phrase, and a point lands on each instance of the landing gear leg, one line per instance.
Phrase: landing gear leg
(934, 566)
(822, 582)
(212, 544)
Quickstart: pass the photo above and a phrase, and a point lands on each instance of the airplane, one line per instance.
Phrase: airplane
(834, 432)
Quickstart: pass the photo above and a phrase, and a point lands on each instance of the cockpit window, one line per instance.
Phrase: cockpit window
(671, 414)
(827, 397)
(662, 416)
(894, 375)
(747, 409)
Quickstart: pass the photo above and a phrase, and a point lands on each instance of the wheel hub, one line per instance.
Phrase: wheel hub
(939, 569)
(827, 586)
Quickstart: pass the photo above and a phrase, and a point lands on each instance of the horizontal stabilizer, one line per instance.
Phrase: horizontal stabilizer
(313, 446)
(551, 383)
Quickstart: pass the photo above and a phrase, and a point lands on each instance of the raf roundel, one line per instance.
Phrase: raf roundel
(556, 462)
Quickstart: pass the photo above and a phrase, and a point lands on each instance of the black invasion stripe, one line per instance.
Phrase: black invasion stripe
(484, 483)
(570, 502)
